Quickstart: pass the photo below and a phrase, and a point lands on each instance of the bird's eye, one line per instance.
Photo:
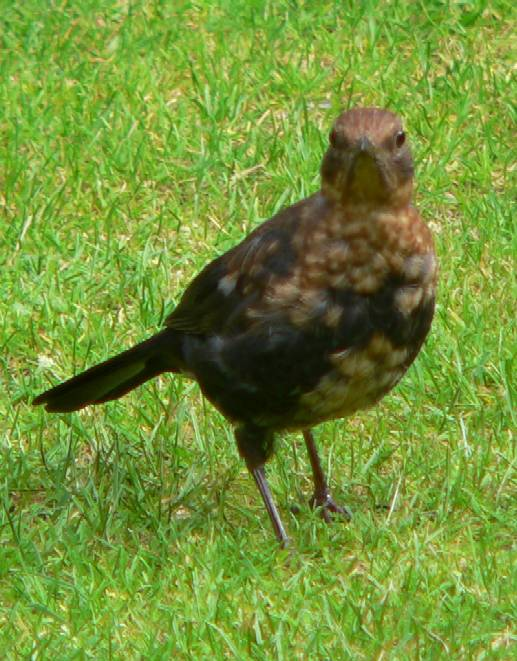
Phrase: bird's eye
(337, 139)
(400, 139)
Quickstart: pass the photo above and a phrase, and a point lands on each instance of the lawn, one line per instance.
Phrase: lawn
(138, 140)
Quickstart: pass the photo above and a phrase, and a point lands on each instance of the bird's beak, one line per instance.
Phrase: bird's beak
(364, 145)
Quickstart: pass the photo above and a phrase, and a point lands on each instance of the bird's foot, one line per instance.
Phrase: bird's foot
(327, 507)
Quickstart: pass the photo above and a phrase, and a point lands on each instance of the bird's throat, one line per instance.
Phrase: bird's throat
(366, 179)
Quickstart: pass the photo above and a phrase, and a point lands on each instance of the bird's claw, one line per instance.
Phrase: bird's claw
(327, 506)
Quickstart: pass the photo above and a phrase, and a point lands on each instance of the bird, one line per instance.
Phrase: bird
(315, 315)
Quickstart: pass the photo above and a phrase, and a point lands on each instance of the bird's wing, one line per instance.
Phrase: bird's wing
(217, 299)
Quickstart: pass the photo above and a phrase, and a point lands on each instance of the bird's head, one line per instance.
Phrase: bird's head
(368, 159)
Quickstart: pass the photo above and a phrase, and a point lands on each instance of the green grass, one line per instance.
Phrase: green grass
(139, 140)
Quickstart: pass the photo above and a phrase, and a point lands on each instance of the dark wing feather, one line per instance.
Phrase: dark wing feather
(201, 305)
(218, 297)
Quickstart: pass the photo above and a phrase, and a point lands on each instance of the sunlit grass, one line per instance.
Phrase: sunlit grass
(138, 141)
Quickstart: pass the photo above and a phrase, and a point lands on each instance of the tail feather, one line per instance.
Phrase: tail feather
(116, 376)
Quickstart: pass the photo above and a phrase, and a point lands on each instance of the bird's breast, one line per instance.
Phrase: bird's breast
(373, 360)
(378, 273)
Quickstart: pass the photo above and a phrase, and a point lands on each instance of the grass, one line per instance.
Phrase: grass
(138, 141)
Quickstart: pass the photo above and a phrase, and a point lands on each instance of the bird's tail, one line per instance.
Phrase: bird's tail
(118, 375)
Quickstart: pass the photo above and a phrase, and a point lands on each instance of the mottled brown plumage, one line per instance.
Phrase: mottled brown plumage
(316, 314)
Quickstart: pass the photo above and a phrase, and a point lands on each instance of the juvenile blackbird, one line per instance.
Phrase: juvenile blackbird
(316, 314)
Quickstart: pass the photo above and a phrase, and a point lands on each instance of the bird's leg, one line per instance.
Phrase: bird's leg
(255, 446)
(321, 497)
(259, 475)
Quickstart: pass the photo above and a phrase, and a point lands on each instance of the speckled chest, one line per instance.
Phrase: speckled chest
(357, 379)
(387, 262)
